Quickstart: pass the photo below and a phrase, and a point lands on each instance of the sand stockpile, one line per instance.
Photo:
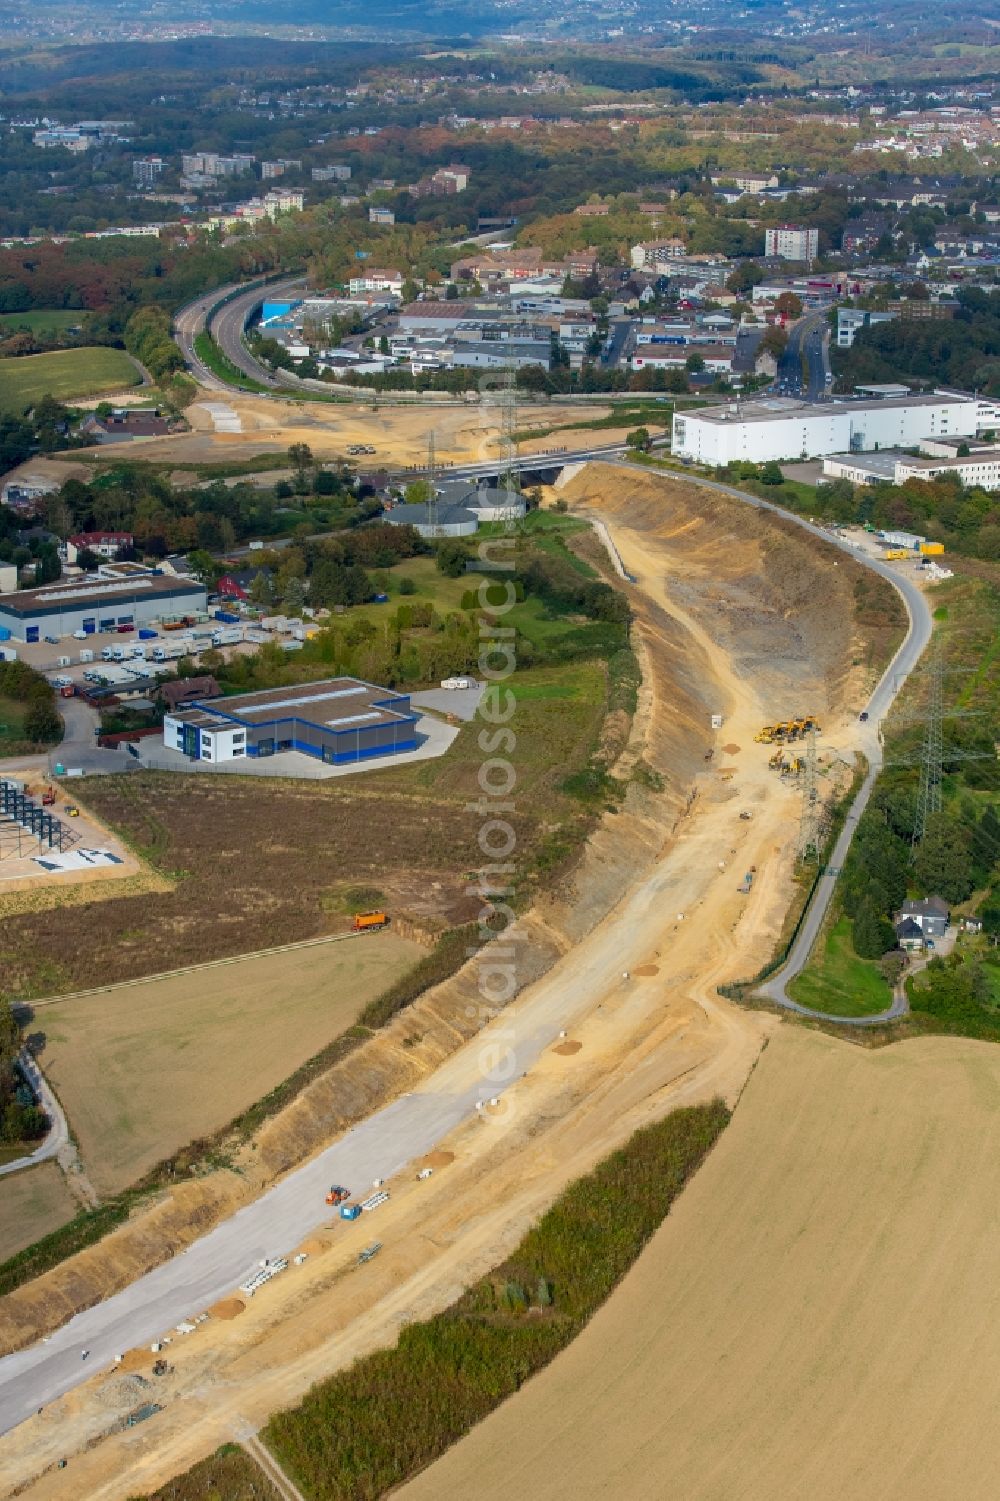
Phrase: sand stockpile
(312, 1248)
(567, 1048)
(227, 1308)
(644, 970)
(731, 750)
(436, 1159)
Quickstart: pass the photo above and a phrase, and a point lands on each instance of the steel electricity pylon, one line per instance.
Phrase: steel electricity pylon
(811, 815)
(432, 488)
(932, 751)
(508, 476)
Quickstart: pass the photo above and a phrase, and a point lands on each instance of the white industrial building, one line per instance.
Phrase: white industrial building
(785, 429)
(980, 470)
(96, 604)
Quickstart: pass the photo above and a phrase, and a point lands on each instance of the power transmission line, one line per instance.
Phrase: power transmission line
(933, 753)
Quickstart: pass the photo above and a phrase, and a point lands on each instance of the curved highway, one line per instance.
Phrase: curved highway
(226, 326)
(383, 1144)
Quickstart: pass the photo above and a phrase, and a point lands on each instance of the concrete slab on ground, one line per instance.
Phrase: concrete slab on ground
(810, 473)
(462, 702)
(434, 737)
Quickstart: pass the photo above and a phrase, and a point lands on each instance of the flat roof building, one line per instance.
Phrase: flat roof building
(337, 721)
(783, 428)
(99, 604)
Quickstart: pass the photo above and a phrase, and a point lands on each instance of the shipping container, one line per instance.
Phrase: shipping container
(147, 635)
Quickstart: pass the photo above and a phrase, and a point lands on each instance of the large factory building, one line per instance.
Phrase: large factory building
(340, 720)
(97, 604)
(785, 429)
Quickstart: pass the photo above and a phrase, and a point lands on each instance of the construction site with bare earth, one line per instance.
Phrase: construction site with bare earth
(358, 1187)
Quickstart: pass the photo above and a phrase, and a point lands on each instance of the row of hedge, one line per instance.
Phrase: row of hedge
(368, 1429)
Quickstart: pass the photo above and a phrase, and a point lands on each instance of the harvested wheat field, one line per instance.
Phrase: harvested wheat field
(33, 1202)
(145, 1068)
(818, 1319)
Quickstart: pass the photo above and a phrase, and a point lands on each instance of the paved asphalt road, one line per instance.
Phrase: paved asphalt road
(382, 1145)
(227, 329)
(227, 326)
(618, 342)
(806, 343)
(190, 322)
(58, 1133)
(277, 1223)
(869, 742)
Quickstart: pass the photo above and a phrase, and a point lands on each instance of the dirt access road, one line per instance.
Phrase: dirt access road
(658, 1039)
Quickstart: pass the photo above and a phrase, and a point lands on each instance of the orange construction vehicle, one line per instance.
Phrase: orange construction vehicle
(337, 1195)
(366, 922)
(48, 797)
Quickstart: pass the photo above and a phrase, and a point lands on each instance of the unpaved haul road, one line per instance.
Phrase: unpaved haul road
(869, 743)
(379, 1147)
(410, 1127)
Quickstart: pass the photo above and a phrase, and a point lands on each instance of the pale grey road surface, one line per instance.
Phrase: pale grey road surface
(275, 1224)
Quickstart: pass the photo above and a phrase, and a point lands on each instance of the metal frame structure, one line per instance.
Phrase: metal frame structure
(26, 828)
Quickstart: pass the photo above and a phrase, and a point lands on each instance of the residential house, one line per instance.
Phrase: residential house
(930, 914)
(236, 585)
(104, 544)
(175, 695)
(909, 936)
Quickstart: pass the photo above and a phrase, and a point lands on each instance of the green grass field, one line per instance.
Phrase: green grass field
(836, 980)
(42, 321)
(65, 373)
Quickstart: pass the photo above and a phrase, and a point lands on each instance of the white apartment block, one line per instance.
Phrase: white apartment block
(655, 253)
(790, 242)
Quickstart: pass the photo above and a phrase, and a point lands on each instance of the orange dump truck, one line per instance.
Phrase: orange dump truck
(365, 922)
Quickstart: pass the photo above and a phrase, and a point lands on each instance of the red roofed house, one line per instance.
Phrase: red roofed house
(104, 544)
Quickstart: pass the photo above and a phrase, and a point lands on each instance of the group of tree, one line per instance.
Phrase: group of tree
(963, 351)
(209, 516)
(958, 854)
(21, 1119)
(22, 685)
(45, 428)
(148, 337)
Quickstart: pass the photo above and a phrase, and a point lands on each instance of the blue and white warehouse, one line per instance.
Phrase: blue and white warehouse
(337, 721)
